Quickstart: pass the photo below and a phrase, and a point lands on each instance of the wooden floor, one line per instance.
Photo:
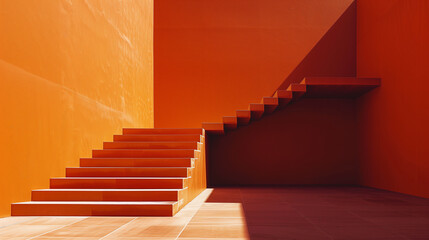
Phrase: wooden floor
(251, 213)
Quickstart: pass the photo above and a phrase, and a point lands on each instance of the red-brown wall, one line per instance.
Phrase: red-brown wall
(214, 57)
(392, 43)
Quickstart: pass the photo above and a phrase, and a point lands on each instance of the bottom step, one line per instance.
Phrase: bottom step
(126, 195)
(94, 208)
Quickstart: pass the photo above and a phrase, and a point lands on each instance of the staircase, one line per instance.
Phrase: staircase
(339, 87)
(144, 172)
(155, 172)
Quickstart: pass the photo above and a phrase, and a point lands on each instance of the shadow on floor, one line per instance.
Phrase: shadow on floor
(328, 212)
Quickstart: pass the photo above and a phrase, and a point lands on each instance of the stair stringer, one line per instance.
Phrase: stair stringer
(348, 87)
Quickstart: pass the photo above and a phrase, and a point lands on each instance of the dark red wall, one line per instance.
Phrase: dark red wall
(392, 43)
(311, 141)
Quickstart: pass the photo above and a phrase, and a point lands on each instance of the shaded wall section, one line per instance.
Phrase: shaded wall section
(334, 55)
(392, 37)
(72, 73)
(311, 141)
(214, 57)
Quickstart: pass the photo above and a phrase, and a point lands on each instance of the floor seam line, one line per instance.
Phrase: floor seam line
(56, 229)
(190, 219)
(118, 229)
(183, 229)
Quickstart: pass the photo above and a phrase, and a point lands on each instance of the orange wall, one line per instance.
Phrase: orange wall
(214, 57)
(72, 73)
(392, 43)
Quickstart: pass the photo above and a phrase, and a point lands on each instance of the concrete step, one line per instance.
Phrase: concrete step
(128, 172)
(150, 145)
(157, 138)
(108, 194)
(143, 153)
(137, 162)
(126, 131)
(89, 208)
(119, 182)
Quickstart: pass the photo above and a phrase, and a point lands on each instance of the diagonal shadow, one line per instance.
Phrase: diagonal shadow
(334, 55)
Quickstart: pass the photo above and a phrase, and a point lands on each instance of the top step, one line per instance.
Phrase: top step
(344, 87)
(126, 131)
(341, 81)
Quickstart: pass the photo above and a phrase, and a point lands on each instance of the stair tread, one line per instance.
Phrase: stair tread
(146, 149)
(157, 138)
(343, 87)
(131, 131)
(338, 81)
(120, 177)
(161, 142)
(110, 190)
(132, 153)
(269, 101)
(163, 134)
(139, 158)
(187, 129)
(129, 167)
(137, 145)
(137, 162)
(128, 171)
(99, 202)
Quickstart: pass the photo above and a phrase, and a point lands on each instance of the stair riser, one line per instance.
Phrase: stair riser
(150, 145)
(230, 122)
(270, 101)
(162, 153)
(91, 210)
(231, 126)
(255, 115)
(298, 90)
(127, 172)
(118, 183)
(106, 162)
(297, 95)
(284, 101)
(243, 117)
(256, 110)
(158, 138)
(106, 195)
(127, 131)
(270, 108)
(243, 121)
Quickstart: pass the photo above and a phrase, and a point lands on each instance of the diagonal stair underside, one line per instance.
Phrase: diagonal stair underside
(343, 87)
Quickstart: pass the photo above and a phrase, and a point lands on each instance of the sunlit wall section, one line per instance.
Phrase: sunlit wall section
(72, 73)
